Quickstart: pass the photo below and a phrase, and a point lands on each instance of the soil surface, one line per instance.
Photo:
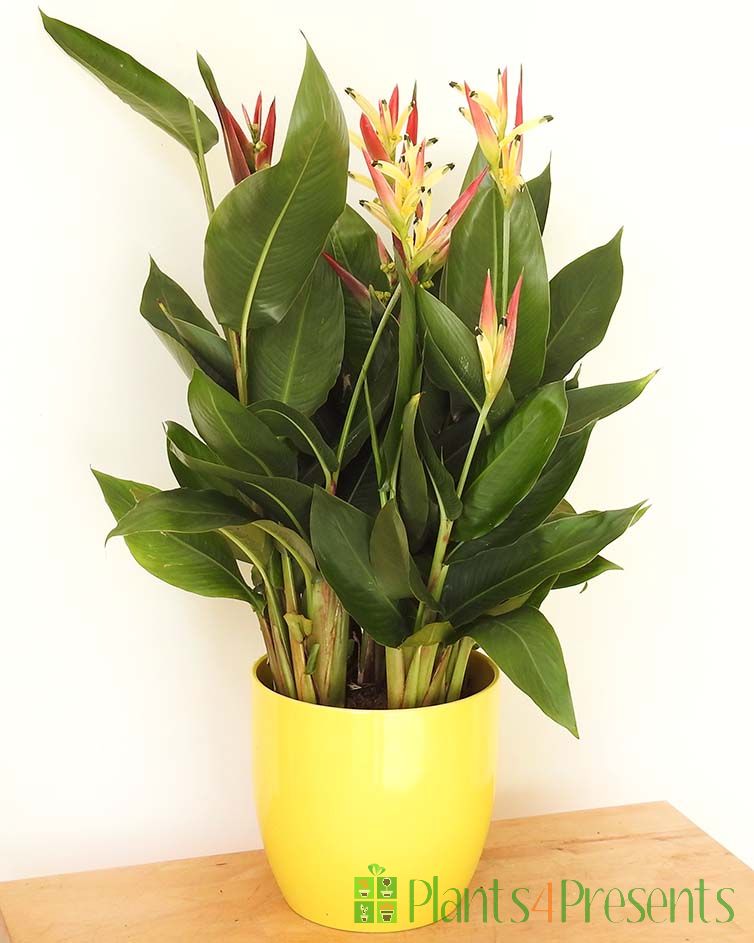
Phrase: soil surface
(369, 697)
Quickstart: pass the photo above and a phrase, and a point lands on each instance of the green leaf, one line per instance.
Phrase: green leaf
(476, 247)
(391, 559)
(474, 586)
(177, 320)
(413, 495)
(340, 539)
(266, 236)
(442, 480)
(548, 491)
(590, 403)
(452, 355)
(292, 542)
(198, 563)
(189, 444)
(525, 647)
(432, 633)
(404, 386)
(182, 511)
(147, 93)
(585, 573)
(297, 361)
(583, 297)
(284, 420)
(539, 191)
(510, 460)
(234, 433)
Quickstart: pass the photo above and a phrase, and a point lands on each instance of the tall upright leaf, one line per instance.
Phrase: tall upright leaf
(583, 296)
(135, 84)
(413, 495)
(184, 330)
(510, 460)
(232, 431)
(340, 540)
(406, 372)
(297, 360)
(265, 237)
(539, 191)
(476, 247)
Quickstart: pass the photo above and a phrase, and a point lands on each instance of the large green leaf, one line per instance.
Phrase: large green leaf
(184, 330)
(284, 499)
(180, 440)
(404, 385)
(524, 645)
(548, 491)
(182, 511)
(391, 559)
(298, 360)
(583, 296)
(265, 237)
(510, 460)
(442, 481)
(590, 403)
(585, 573)
(474, 586)
(413, 494)
(340, 538)
(234, 433)
(452, 355)
(198, 563)
(133, 83)
(539, 190)
(476, 247)
(284, 420)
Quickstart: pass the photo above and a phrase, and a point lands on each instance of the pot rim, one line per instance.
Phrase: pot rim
(256, 680)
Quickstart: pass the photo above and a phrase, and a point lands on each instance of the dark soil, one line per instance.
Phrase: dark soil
(369, 697)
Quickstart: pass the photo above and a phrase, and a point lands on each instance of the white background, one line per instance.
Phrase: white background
(124, 712)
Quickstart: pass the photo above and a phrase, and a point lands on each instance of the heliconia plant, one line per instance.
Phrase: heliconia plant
(386, 427)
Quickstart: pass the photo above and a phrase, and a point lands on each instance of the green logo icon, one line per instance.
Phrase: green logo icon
(375, 897)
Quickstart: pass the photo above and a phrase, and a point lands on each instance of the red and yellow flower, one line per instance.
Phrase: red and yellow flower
(495, 341)
(502, 149)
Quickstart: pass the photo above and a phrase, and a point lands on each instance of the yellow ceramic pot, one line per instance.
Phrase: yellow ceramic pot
(369, 818)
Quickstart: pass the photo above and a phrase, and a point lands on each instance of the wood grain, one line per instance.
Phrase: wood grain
(229, 898)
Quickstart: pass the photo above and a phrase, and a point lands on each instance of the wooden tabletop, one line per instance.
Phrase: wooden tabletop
(228, 898)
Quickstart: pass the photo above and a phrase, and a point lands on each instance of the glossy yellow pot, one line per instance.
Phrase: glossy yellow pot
(368, 817)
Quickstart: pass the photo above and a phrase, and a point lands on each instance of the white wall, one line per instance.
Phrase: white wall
(123, 702)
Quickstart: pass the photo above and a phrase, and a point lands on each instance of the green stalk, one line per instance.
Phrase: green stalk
(375, 445)
(361, 379)
(506, 257)
(304, 683)
(396, 677)
(411, 691)
(277, 628)
(201, 166)
(230, 335)
(455, 685)
(436, 690)
(330, 631)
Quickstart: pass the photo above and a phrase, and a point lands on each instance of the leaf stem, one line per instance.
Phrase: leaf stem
(361, 379)
(395, 670)
(503, 302)
(455, 685)
(201, 165)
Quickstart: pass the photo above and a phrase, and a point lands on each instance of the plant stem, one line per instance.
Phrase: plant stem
(361, 379)
(396, 676)
(375, 446)
(201, 166)
(503, 301)
(330, 630)
(304, 683)
(436, 690)
(411, 690)
(455, 685)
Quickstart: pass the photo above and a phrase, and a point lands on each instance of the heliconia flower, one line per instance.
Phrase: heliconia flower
(384, 123)
(495, 341)
(245, 156)
(502, 150)
(358, 289)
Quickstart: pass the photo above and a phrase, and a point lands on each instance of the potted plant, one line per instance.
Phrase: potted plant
(384, 438)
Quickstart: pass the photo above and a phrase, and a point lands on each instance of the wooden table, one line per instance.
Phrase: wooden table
(228, 898)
